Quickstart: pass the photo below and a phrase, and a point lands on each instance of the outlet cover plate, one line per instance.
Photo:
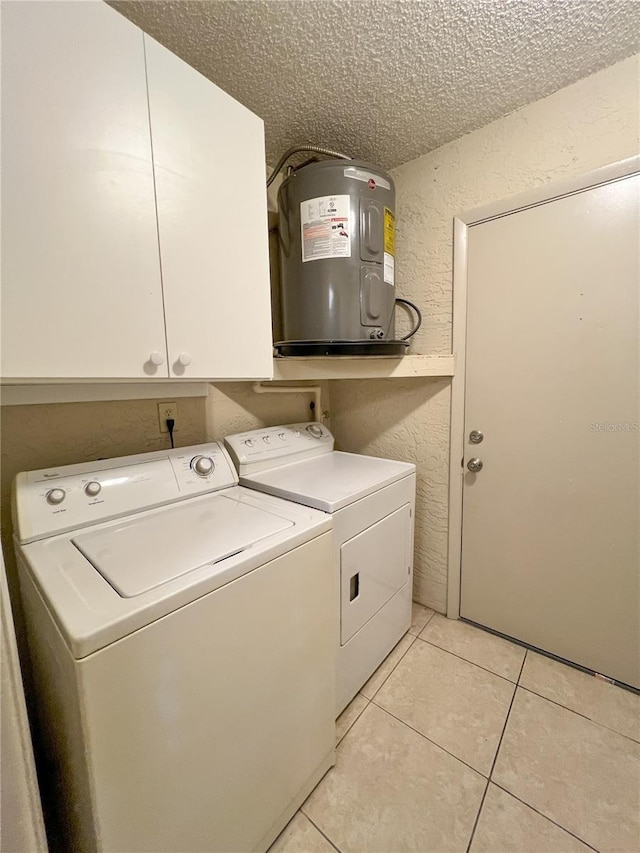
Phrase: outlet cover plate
(167, 410)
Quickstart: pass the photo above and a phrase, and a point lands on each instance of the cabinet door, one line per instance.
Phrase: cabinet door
(81, 288)
(209, 165)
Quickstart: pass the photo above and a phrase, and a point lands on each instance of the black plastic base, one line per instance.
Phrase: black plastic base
(348, 348)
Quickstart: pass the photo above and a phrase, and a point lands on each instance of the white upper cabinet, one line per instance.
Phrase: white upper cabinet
(81, 288)
(134, 217)
(209, 163)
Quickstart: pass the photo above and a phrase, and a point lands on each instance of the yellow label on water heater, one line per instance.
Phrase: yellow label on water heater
(389, 247)
(389, 232)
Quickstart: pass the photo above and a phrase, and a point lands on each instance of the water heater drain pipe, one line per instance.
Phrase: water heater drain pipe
(315, 390)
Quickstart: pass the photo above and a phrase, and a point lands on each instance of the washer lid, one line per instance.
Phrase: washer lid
(138, 555)
(331, 481)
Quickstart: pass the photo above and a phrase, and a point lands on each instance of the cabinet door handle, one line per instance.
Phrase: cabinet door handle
(184, 359)
(156, 358)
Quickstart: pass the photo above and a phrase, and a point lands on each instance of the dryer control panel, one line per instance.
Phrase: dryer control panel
(260, 449)
(55, 500)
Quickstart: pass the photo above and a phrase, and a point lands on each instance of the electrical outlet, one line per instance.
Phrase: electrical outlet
(167, 410)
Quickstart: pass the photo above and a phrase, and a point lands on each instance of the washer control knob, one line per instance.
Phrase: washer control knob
(202, 465)
(282, 436)
(56, 496)
(266, 439)
(156, 358)
(315, 430)
(92, 489)
(249, 442)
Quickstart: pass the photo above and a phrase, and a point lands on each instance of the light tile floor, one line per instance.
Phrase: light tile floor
(463, 741)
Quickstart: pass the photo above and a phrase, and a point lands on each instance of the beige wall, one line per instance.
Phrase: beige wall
(587, 125)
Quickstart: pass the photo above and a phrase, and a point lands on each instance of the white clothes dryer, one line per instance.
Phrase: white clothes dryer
(372, 503)
(182, 635)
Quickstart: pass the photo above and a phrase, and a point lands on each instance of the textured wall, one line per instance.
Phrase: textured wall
(591, 123)
(234, 407)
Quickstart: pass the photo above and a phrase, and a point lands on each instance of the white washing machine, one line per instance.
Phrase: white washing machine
(182, 635)
(372, 503)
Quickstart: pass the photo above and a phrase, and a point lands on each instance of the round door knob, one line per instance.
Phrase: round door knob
(475, 436)
(55, 496)
(315, 430)
(184, 359)
(92, 489)
(156, 358)
(202, 465)
(474, 464)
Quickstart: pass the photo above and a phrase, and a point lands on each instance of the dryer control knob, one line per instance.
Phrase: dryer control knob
(315, 430)
(92, 489)
(202, 465)
(56, 496)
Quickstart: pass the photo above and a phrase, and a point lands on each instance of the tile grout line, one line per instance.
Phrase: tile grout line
(543, 815)
(367, 703)
(473, 663)
(577, 713)
(422, 735)
(504, 728)
(360, 693)
(519, 686)
(524, 660)
(475, 823)
(571, 710)
(377, 690)
(320, 831)
(495, 757)
(433, 613)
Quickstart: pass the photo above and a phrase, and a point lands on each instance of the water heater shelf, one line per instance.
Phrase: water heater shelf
(362, 367)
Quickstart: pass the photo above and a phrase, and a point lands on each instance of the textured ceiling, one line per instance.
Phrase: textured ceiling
(388, 80)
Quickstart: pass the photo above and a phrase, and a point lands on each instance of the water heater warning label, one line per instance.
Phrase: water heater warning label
(389, 246)
(389, 232)
(325, 229)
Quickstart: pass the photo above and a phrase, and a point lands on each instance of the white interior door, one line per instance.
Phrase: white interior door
(550, 538)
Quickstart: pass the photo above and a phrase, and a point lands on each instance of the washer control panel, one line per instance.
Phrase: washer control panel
(55, 500)
(265, 448)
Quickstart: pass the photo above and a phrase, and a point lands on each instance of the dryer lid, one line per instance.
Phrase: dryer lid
(138, 555)
(331, 481)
